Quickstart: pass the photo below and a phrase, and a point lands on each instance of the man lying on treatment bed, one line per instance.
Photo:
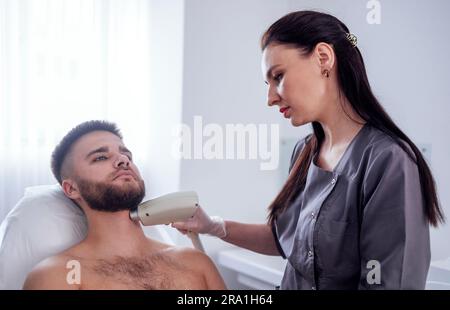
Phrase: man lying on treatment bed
(97, 172)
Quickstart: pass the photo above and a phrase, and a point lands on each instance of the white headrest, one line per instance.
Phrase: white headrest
(43, 223)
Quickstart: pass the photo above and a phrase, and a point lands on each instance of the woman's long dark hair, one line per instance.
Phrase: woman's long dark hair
(305, 29)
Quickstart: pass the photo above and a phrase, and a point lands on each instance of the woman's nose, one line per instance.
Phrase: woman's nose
(122, 161)
(272, 96)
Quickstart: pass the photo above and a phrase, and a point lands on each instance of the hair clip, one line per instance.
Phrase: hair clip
(352, 39)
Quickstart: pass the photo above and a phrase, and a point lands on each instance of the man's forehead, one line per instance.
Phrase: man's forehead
(95, 140)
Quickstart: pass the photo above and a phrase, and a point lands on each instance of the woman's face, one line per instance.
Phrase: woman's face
(296, 83)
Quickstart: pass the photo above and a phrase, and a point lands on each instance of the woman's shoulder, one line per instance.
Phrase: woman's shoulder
(301, 143)
(298, 148)
(383, 147)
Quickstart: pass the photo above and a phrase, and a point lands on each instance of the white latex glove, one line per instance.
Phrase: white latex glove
(202, 223)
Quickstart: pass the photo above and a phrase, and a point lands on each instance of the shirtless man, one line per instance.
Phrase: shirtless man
(97, 172)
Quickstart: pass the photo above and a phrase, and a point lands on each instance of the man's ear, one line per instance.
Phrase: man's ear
(70, 188)
(324, 54)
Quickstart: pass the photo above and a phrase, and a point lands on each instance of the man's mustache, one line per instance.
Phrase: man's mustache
(123, 171)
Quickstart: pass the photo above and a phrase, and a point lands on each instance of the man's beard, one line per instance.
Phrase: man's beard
(109, 197)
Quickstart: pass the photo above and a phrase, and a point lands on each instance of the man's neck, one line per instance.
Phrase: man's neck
(114, 234)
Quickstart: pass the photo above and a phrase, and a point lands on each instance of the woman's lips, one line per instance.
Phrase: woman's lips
(285, 111)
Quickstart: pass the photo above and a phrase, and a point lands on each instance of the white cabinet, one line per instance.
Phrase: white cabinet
(439, 275)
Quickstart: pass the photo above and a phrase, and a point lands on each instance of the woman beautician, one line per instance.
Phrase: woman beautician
(359, 195)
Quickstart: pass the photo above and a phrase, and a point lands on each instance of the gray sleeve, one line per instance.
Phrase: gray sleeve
(394, 230)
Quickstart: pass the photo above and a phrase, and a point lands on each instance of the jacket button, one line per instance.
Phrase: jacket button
(310, 253)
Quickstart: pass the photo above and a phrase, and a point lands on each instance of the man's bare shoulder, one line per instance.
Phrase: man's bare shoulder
(51, 273)
(183, 256)
(192, 255)
(198, 262)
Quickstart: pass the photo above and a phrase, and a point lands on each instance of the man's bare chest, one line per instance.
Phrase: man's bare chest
(148, 273)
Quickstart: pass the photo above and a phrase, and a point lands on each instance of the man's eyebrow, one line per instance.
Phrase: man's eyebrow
(103, 149)
(124, 150)
(269, 72)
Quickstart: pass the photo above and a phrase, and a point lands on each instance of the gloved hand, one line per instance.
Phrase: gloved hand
(202, 223)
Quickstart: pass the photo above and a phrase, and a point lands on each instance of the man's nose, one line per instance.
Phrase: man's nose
(272, 96)
(122, 161)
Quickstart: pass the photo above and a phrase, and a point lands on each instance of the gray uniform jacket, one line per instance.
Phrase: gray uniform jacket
(361, 226)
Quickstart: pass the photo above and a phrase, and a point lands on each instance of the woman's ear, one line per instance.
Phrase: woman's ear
(70, 189)
(325, 56)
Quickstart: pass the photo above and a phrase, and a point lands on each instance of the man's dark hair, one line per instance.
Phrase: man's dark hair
(63, 148)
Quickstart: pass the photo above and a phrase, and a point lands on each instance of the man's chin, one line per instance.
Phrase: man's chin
(115, 196)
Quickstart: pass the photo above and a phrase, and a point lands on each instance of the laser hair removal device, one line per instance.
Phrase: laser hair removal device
(173, 207)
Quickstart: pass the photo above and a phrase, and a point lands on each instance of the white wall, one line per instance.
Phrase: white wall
(223, 84)
(167, 22)
(405, 59)
(162, 174)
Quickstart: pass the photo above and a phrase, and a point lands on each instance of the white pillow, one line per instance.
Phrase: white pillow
(43, 223)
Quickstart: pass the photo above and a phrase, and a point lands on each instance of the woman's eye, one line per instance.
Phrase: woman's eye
(278, 77)
(99, 158)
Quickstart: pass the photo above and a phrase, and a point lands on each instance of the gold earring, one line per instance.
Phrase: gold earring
(326, 73)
